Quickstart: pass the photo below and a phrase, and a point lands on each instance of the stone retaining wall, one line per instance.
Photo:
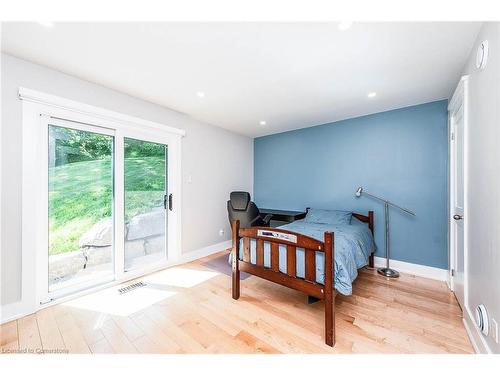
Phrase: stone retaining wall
(144, 236)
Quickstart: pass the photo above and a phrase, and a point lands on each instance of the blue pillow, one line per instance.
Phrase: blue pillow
(315, 215)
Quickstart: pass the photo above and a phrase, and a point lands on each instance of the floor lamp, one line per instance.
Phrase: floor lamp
(385, 271)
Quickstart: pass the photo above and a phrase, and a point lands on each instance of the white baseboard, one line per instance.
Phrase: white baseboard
(475, 336)
(19, 309)
(415, 269)
(205, 251)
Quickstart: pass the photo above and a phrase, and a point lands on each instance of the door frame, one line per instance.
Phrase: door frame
(37, 108)
(459, 98)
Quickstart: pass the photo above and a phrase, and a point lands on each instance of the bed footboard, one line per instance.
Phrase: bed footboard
(292, 241)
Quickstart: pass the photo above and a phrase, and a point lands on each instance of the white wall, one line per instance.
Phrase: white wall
(217, 160)
(483, 216)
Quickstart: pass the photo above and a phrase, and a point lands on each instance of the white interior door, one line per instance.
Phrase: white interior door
(457, 194)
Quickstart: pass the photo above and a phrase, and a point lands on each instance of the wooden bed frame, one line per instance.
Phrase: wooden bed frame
(292, 241)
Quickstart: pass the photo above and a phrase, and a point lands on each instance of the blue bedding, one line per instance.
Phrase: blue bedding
(353, 245)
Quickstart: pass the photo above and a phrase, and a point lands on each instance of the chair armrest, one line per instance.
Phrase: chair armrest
(267, 218)
(261, 221)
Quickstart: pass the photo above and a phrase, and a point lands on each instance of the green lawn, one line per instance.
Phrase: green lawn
(81, 194)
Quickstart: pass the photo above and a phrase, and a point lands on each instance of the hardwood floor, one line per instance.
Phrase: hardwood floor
(189, 309)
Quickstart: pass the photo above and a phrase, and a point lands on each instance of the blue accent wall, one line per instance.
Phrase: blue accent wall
(400, 155)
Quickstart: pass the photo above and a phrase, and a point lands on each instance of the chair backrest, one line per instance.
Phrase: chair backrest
(240, 207)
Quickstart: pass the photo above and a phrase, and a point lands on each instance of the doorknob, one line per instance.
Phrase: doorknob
(458, 217)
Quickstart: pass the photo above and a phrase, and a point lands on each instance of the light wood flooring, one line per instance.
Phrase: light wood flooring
(189, 309)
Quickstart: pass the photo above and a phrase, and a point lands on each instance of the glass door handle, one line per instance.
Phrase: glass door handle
(170, 202)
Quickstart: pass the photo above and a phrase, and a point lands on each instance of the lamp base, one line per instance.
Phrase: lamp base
(388, 272)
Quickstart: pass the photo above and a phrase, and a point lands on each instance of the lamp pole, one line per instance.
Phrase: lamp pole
(385, 271)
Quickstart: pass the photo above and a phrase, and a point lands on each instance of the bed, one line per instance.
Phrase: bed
(318, 255)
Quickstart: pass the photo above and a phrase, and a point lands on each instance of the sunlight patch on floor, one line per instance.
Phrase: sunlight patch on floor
(110, 301)
(179, 277)
(100, 321)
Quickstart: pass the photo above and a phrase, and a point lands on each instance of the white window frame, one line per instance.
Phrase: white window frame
(37, 109)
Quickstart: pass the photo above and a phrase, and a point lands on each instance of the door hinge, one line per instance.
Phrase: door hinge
(452, 272)
(452, 136)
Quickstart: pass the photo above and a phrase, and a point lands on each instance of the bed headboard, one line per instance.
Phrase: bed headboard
(365, 219)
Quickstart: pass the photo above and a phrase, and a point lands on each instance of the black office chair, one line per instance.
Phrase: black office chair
(240, 207)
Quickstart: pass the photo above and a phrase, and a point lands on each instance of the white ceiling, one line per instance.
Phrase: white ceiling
(292, 75)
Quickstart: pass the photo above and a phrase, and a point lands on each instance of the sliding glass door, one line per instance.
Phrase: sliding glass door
(107, 206)
(145, 180)
(80, 205)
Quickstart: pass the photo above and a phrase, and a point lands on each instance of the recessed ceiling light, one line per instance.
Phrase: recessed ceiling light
(372, 94)
(46, 23)
(200, 94)
(344, 25)
(262, 123)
